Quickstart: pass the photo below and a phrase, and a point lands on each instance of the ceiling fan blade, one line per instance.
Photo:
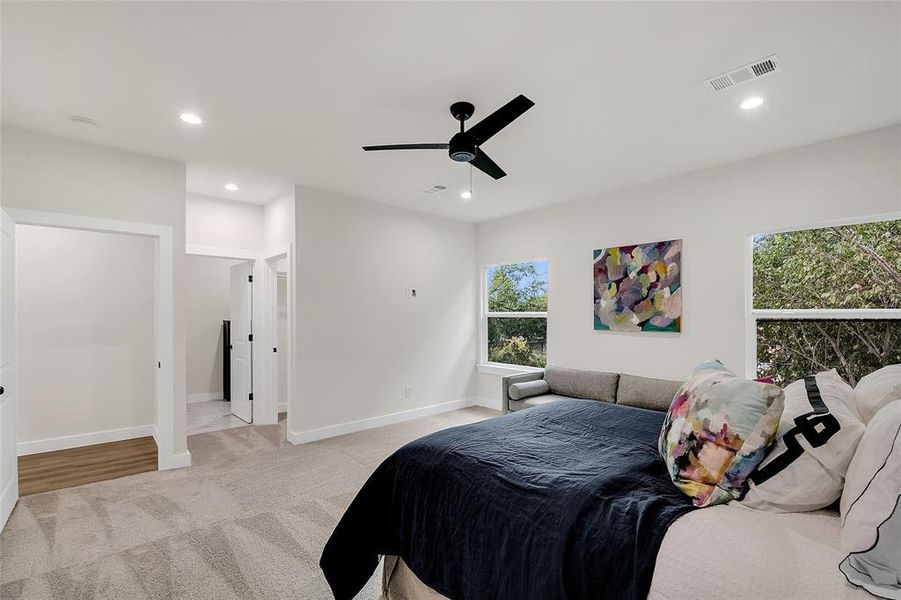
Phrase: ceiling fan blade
(407, 147)
(499, 119)
(483, 163)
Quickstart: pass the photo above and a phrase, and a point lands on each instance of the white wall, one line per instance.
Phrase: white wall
(207, 305)
(223, 223)
(85, 332)
(360, 340)
(278, 223)
(49, 173)
(712, 211)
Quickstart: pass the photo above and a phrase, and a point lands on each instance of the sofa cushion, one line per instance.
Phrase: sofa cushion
(536, 401)
(527, 389)
(576, 383)
(644, 392)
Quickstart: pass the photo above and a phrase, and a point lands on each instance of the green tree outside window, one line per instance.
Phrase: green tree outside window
(517, 288)
(845, 268)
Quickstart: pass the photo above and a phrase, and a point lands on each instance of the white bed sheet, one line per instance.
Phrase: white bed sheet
(729, 551)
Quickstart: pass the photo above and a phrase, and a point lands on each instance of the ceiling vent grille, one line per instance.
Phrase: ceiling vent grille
(743, 74)
(434, 189)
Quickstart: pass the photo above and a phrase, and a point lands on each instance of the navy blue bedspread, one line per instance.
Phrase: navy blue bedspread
(565, 500)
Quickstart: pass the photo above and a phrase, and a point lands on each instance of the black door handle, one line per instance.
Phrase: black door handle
(1, 390)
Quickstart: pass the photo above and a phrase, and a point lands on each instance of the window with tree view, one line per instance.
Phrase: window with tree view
(827, 298)
(516, 313)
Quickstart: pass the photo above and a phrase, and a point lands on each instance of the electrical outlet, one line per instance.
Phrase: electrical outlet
(408, 392)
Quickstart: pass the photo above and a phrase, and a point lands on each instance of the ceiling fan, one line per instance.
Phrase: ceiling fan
(465, 145)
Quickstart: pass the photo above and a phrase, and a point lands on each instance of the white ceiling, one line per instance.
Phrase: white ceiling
(290, 91)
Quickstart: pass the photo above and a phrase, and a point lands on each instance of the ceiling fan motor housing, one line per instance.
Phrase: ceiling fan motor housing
(462, 148)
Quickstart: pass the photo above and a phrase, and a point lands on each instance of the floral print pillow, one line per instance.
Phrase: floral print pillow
(717, 431)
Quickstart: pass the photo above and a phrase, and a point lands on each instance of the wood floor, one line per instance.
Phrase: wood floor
(76, 466)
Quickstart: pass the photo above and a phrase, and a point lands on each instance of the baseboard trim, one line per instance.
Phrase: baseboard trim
(203, 397)
(321, 433)
(174, 461)
(8, 501)
(85, 439)
(282, 407)
(492, 403)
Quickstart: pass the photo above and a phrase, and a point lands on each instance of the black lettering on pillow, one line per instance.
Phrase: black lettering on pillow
(817, 427)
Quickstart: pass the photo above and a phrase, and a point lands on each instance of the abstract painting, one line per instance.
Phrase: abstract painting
(639, 287)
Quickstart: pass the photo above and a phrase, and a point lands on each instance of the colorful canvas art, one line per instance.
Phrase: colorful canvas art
(638, 288)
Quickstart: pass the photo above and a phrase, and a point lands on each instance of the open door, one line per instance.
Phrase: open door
(9, 473)
(242, 341)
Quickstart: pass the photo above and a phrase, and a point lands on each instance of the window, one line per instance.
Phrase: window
(514, 314)
(825, 298)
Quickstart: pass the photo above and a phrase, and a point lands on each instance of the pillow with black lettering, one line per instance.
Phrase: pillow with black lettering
(818, 433)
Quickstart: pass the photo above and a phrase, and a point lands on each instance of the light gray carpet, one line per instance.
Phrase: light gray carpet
(248, 520)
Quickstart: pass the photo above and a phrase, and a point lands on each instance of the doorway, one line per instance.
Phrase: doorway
(163, 344)
(86, 365)
(219, 343)
(265, 349)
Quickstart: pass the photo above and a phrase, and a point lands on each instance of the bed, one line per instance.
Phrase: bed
(566, 500)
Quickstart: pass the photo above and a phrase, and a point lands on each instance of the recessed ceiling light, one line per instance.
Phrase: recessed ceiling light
(232, 187)
(80, 121)
(751, 103)
(190, 118)
(466, 194)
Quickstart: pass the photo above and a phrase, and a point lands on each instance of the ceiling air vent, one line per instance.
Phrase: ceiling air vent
(743, 74)
(434, 189)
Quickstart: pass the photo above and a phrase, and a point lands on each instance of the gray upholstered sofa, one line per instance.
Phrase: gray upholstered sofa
(559, 383)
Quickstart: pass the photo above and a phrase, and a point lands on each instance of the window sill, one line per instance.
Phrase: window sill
(501, 369)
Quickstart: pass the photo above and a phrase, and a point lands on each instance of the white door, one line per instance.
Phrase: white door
(241, 340)
(9, 476)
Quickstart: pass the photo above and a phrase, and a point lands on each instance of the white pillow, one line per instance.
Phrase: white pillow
(877, 389)
(871, 507)
(818, 433)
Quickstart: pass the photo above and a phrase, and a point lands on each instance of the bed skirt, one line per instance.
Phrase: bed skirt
(399, 583)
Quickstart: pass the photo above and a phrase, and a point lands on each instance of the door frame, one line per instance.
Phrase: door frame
(269, 328)
(259, 360)
(9, 471)
(163, 309)
(265, 319)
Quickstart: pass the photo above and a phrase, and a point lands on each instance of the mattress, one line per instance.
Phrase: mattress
(725, 551)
